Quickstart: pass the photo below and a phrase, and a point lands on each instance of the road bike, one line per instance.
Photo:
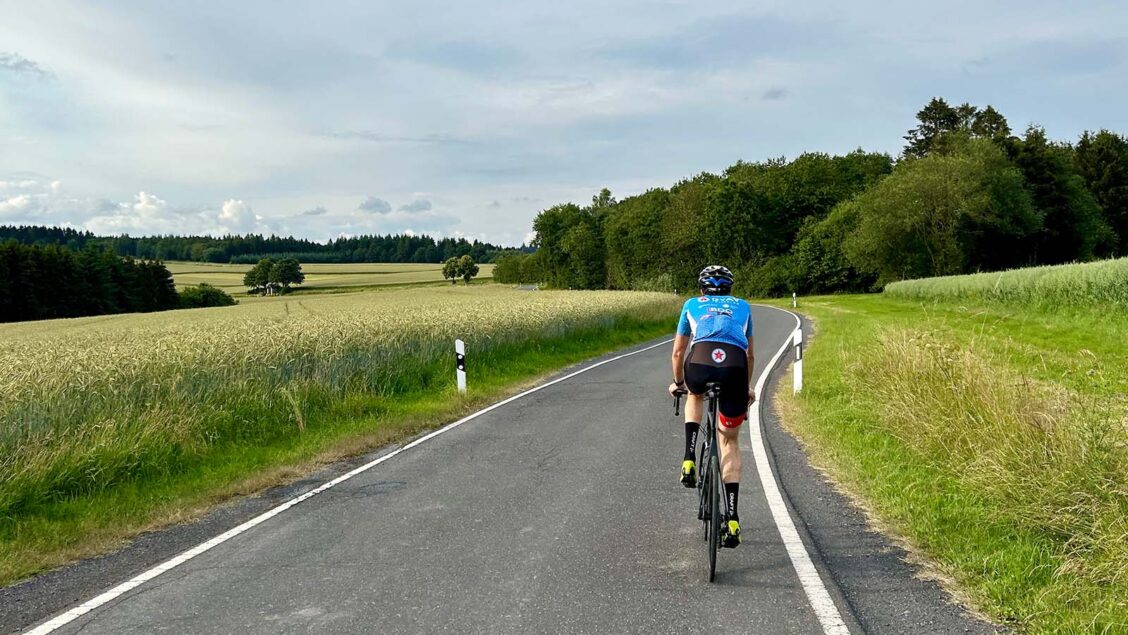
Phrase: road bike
(711, 510)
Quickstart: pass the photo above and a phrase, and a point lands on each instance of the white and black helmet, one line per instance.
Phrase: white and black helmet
(715, 280)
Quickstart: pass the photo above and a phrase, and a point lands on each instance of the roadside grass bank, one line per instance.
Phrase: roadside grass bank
(992, 439)
(195, 413)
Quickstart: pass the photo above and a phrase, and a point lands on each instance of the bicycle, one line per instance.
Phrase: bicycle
(711, 510)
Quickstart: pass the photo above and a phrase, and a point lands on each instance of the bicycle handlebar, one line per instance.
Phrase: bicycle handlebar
(678, 394)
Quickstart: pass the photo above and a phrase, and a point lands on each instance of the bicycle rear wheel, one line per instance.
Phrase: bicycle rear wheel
(702, 490)
(714, 495)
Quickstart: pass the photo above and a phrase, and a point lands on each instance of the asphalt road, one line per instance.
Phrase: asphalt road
(557, 513)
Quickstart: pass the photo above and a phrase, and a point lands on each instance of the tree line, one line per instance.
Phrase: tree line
(249, 249)
(45, 282)
(966, 194)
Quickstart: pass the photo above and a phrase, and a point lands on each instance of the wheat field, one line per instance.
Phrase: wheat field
(1101, 283)
(318, 276)
(89, 402)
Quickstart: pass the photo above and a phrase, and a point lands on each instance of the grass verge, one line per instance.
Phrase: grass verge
(55, 532)
(993, 440)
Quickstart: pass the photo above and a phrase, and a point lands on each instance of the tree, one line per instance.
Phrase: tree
(570, 240)
(990, 124)
(1102, 161)
(450, 270)
(819, 255)
(1073, 226)
(467, 268)
(286, 272)
(583, 248)
(507, 269)
(936, 118)
(258, 278)
(630, 234)
(603, 200)
(940, 214)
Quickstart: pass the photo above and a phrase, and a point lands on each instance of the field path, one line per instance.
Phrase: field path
(557, 512)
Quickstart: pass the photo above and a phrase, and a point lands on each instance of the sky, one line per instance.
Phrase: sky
(323, 119)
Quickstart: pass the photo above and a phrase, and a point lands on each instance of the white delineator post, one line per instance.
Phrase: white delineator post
(794, 300)
(798, 369)
(460, 364)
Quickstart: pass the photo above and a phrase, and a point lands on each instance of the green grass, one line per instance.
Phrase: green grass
(993, 439)
(126, 424)
(1084, 285)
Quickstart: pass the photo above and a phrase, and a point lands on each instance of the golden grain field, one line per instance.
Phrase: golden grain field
(88, 402)
(318, 276)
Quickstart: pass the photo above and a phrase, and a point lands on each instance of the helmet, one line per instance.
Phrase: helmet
(715, 280)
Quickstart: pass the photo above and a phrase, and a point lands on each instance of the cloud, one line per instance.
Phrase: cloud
(725, 41)
(375, 205)
(774, 94)
(494, 205)
(19, 65)
(147, 214)
(418, 205)
(317, 211)
(236, 217)
(380, 137)
(466, 56)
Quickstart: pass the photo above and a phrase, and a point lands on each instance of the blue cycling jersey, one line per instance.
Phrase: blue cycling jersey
(717, 318)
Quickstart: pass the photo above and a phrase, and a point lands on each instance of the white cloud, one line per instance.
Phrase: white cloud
(146, 214)
(14, 206)
(236, 217)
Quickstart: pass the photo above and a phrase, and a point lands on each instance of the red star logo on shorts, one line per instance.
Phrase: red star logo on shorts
(719, 355)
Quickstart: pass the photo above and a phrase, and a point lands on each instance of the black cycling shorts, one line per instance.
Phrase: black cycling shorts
(726, 364)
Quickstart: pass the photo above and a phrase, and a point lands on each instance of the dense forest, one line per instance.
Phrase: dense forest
(43, 282)
(252, 248)
(965, 195)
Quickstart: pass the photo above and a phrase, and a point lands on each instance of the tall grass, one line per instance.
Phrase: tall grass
(86, 405)
(1102, 283)
(1053, 463)
(992, 438)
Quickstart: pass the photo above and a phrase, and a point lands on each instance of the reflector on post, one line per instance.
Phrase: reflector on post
(798, 368)
(460, 364)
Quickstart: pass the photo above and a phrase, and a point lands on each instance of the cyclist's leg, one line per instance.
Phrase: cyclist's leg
(729, 444)
(695, 378)
(734, 410)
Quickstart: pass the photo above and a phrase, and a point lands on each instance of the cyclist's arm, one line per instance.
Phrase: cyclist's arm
(677, 360)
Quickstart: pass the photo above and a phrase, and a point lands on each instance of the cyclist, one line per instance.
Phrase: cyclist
(716, 328)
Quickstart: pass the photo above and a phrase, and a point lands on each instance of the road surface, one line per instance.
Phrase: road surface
(558, 512)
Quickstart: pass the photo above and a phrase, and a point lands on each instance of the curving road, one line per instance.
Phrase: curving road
(558, 512)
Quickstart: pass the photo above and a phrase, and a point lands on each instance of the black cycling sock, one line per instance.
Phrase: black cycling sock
(691, 428)
(732, 493)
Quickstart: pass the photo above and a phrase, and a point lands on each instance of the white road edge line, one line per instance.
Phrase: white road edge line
(172, 563)
(817, 595)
